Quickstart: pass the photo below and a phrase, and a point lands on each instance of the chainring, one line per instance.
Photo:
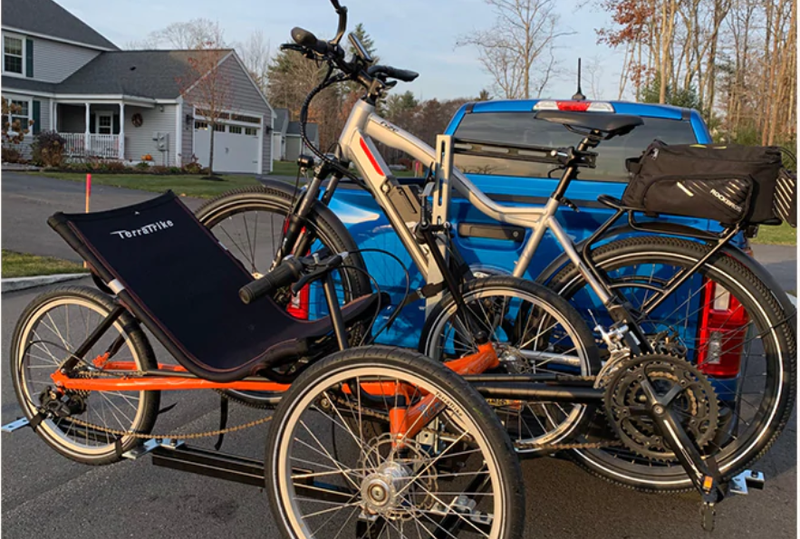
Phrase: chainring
(625, 403)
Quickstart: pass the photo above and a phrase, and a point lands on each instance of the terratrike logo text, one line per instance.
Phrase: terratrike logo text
(145, 230)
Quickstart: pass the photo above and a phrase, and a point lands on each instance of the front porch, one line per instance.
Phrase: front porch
(91, 129)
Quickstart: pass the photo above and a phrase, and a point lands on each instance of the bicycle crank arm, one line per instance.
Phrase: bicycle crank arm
(704, 473)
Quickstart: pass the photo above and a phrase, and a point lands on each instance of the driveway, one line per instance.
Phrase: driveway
(45, 495)
(29, 200)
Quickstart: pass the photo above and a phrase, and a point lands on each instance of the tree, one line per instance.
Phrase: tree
(484, 96)
(208, 85)
(194, 34)
(519, 46)
(679, 97)
(256, 56)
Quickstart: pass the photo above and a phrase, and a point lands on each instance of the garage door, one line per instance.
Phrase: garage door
(235, 147)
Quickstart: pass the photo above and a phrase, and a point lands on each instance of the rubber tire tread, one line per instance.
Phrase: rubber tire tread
(460, 391)
(763, 295)
(546, 295)
(137, 338)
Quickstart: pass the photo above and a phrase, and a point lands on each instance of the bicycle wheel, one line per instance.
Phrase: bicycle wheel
(50, 329)
(534, 331)
(250, 222)
(724, 321)
(326, 478)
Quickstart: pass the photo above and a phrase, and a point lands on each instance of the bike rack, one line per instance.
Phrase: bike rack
(440, 208)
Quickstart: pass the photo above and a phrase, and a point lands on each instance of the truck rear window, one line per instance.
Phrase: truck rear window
(522, 128)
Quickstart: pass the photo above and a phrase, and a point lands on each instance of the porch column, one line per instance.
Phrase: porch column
(55, 117)
(121, 131)
(87, 139)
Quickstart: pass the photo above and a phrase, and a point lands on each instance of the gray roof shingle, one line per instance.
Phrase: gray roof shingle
(156, 74)
(48, 18)
(16, 83)
(281, 120)
(312, 130)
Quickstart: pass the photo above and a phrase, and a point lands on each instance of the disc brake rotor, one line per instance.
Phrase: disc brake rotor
(695, 404)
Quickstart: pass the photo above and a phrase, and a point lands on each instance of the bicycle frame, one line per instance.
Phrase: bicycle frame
(357, 145)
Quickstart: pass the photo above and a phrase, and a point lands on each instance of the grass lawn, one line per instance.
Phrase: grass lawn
(776, 235)
(25, 265)
(188, 185)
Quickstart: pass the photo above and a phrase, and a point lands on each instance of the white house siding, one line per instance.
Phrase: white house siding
(54, 61)
(245, 98)
(139, 140)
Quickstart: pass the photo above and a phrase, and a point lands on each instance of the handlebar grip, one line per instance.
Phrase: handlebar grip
(285, 274)
(394, 73)
(309, 40)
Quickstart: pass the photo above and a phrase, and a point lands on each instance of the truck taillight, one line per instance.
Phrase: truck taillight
(298, 305)
(576, 106)
(722, 332)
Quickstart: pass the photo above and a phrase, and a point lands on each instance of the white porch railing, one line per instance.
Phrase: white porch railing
(78, 145)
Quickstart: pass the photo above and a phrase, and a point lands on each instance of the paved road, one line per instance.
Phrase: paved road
(44, 495)
(29, 200)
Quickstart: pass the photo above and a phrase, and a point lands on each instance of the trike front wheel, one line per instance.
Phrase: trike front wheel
(50, 330)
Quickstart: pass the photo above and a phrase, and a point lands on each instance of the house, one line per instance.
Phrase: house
(287, 144)
(115, 104)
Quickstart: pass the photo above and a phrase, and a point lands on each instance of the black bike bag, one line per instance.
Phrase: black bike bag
(727, 183)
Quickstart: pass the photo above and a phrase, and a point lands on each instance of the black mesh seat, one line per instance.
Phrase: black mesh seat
(605, 122)
(174, 275)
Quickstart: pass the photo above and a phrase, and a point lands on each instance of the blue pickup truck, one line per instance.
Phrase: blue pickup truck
(485, 244)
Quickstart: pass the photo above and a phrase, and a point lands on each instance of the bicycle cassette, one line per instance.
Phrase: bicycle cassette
(694, 403)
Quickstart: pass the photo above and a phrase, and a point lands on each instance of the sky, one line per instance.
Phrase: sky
(412, 34)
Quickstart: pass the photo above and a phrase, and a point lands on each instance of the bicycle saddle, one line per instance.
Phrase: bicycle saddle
(608, 123)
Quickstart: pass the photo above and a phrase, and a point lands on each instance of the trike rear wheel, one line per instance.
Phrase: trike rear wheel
(50, 329)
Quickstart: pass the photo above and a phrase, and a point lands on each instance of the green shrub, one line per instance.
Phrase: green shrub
(116, 166)
(11, 155)
(143, 165)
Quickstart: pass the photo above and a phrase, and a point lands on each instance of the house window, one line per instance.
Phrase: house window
(235, 129)
(219, 127)
(104, 124)
(251, 131)
(201, 125)
(21, 113)
(13, 59)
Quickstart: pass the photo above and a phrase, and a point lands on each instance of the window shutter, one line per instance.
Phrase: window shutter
(28, 57)
(91, 124)
(115, 128)
(37, 117)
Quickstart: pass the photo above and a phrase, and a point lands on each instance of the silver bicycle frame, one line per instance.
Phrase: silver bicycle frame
(356, 142)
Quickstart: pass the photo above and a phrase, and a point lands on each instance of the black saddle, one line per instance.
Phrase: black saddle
(174, 275)
(607, 123)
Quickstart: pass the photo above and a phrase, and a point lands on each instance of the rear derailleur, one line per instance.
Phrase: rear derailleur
(58, 405)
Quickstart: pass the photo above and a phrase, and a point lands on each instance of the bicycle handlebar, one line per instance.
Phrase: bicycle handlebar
(297, 272)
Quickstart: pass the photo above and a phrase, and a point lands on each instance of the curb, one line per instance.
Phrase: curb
(21, 283)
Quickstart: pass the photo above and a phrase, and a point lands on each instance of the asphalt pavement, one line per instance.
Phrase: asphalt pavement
(45, 495)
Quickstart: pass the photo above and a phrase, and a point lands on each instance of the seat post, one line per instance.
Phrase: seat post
(569, 172)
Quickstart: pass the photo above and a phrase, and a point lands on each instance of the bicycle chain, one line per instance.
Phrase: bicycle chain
(148, 436)
(364, 411)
